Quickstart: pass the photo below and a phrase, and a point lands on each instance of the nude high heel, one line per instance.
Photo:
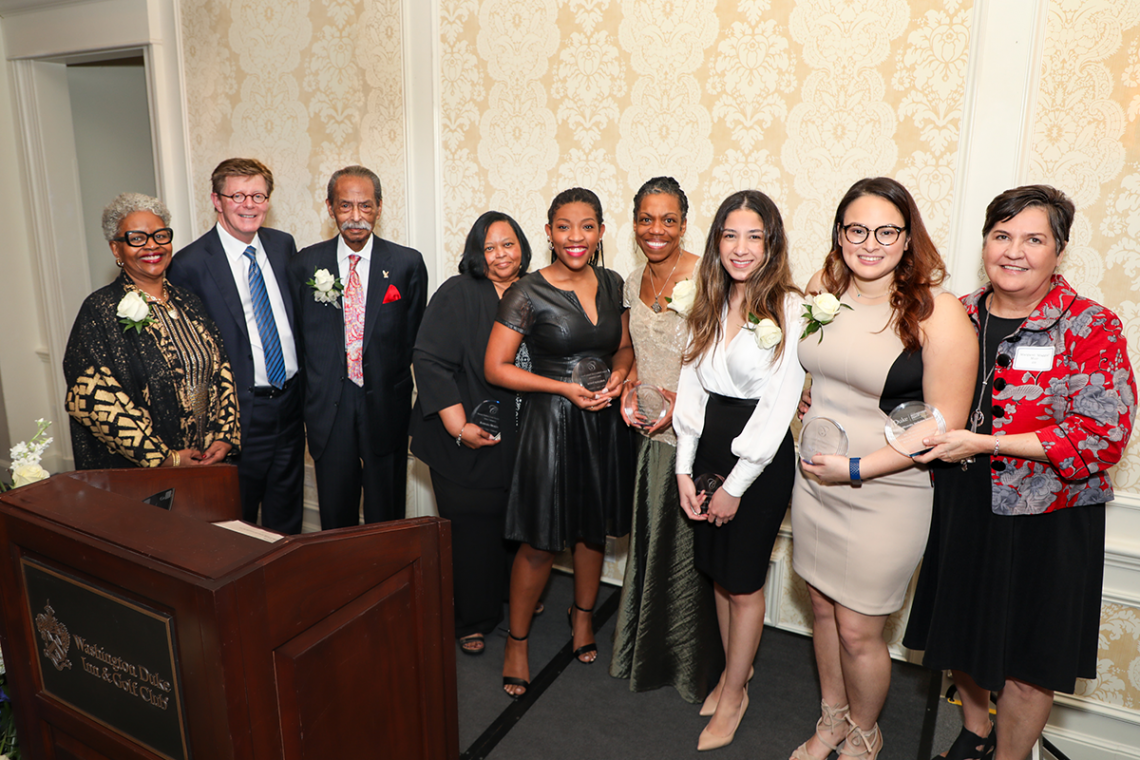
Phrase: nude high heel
(709, 707)
(862, 744)
(709, 740)
(830, 719)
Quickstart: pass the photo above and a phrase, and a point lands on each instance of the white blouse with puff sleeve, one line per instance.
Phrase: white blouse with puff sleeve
(741, 369)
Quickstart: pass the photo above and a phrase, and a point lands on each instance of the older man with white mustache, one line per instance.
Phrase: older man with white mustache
(359, 301)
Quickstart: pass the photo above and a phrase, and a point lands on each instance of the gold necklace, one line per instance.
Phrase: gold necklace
(652, 283)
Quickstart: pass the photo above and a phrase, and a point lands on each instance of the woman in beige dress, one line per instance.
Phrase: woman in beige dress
(859, 522)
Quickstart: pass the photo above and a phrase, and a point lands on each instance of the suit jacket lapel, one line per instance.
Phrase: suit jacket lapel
(279, 263)
(377, 286)
(219, 268)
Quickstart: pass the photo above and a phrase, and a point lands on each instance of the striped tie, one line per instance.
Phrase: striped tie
(266, 326)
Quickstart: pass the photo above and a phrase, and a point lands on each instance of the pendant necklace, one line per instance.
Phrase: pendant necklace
(976, 417)
(657, 296)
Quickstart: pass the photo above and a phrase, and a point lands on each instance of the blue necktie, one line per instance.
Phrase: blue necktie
(266, 326)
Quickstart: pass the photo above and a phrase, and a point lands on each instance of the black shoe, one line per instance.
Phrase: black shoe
(585, 648)
(970, 746)
(511, 680)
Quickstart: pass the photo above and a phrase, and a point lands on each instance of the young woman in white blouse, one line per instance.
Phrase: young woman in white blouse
(739, 387)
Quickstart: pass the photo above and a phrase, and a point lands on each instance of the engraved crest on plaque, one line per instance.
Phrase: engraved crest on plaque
(57, 641)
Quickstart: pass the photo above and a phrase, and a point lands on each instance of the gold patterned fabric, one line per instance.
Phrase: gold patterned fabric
(133, 397)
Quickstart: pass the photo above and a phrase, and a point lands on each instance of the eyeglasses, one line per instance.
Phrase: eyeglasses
(239, 198)
(138, 238)
(888, 234)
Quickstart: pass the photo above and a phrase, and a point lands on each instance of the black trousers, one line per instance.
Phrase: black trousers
(349, 464)
(480, 557)
(271, 467)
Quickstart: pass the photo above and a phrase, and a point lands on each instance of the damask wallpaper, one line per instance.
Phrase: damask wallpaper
(306, 87)
(1085, 142)
(798, 99)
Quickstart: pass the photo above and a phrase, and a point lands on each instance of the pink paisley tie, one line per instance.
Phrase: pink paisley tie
(354, 323)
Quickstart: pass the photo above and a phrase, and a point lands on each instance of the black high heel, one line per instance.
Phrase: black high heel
(512, 680)
(585, 648)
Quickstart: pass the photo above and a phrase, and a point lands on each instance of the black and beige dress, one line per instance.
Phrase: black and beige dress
(666, 631)
(134, 396)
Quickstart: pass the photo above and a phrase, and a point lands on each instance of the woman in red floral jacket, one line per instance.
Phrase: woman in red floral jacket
(1009, 594)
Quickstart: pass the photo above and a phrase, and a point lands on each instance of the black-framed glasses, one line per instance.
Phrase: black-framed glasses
(888, 234)
(239, 198)
(138, 238)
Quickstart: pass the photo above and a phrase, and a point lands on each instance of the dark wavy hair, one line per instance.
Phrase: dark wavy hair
(659, 186)
(1056, 205)
(578, 195)
(920, 268)
(764, 292)
(474, 261)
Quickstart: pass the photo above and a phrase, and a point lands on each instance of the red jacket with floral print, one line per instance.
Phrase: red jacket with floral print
(1081, 407)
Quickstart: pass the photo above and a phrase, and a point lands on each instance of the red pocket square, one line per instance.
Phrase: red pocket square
(392, 294)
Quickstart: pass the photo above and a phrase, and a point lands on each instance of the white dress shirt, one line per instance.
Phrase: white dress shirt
(743, 370)
(362, 266)
(239, 265)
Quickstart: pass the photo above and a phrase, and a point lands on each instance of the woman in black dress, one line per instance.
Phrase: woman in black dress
(1010, 589)
(572, 483)
(470, 466)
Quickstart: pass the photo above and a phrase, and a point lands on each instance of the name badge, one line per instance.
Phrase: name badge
(1033, 358)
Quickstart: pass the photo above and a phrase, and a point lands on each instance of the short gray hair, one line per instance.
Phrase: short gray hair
(355, 171)
(126, 204)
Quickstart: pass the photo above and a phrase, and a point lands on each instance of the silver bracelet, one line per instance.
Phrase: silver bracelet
(459, 438)
(997, 445)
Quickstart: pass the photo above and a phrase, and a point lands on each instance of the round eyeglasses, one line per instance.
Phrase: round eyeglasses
(138, 238)
(239, 198)
(888, 234)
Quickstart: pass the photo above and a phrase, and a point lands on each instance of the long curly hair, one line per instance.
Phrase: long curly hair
(578, 195)
(920, 268)
(765, 291)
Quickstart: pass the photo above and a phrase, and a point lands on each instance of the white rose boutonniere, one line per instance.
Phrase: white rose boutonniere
(765, 331)
(134, 312)
(683, 294)
(819, 311)
(326, 287)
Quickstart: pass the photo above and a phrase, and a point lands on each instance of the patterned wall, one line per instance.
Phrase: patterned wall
(797, 98)
(1086, 142)
(307, 87)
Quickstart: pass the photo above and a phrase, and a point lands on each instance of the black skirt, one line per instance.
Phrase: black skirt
(1008, 596)
(736, 555)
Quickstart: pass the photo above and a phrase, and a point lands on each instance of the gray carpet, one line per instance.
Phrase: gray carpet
(578, 711)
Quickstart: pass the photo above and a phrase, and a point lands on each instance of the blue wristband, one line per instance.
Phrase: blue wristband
(853, 470)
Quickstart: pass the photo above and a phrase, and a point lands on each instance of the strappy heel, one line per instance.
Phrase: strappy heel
(585, 648)
(512, 680)
(862, 744)
(830, 718)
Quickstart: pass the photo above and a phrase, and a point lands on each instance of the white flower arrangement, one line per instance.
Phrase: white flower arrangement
(819, 311)
(26, 457)
(683, 294)
(326, 287)
(134, 312)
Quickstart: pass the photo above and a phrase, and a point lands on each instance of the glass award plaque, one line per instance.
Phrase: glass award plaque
(591, 373)
(644, 406)
(822, 435)
(707, 484)
(486, 416)
(909, 423)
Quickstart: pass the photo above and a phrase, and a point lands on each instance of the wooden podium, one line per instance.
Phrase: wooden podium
(133, 632)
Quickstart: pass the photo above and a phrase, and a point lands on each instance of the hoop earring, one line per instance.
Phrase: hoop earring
(119, 263)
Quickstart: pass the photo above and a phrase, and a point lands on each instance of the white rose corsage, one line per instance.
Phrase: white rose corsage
(819, 311)
(683, 294)
(326, 287)
(134, 312)
(765, 331)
